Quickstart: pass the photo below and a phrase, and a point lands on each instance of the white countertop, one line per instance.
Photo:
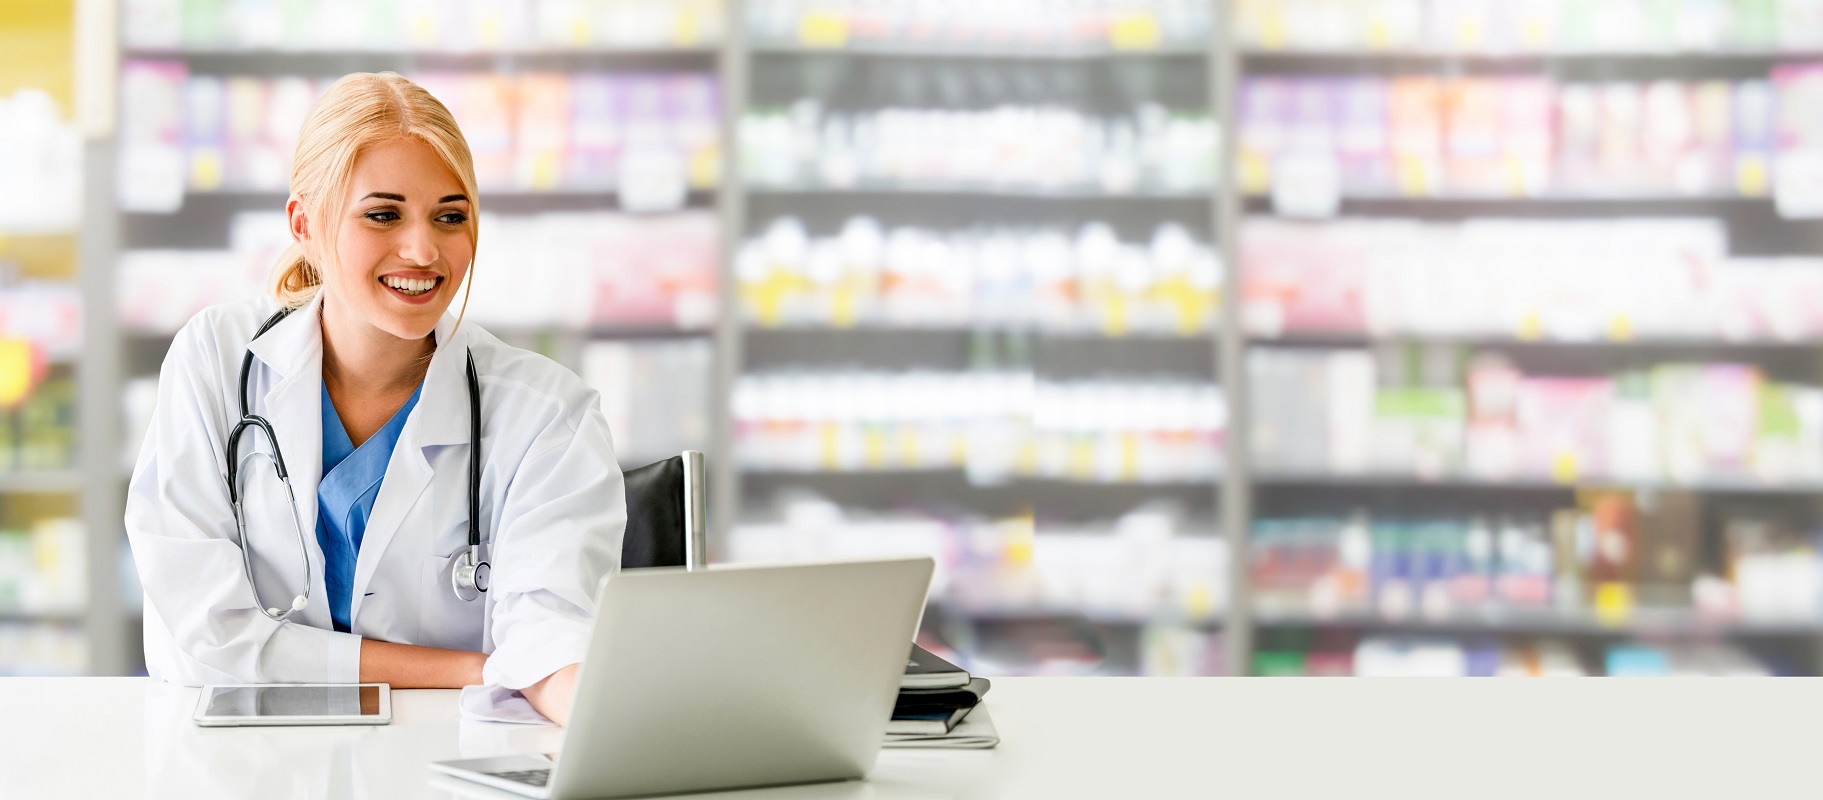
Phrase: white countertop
(1061, 737)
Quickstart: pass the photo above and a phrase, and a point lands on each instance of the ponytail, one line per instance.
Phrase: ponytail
(294, 282)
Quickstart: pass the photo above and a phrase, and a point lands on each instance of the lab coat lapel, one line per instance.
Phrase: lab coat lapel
(440, 418)
(293, 402)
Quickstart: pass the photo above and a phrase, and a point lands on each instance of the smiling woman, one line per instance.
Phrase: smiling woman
(414, 411)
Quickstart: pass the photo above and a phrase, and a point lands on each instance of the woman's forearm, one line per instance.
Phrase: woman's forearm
(407, 666)
(552, 695)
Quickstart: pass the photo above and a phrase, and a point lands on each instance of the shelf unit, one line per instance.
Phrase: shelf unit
(1752, 217)
(844, 81)
(748, 67)
(45, 48)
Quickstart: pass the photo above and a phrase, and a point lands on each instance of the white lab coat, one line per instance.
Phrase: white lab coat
(553, 511)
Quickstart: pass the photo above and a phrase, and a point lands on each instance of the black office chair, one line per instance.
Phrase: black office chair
(665, 510)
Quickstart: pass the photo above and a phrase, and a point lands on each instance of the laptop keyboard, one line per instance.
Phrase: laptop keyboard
(530, 777)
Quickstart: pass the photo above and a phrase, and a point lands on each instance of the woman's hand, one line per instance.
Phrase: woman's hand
(407, 666)
(552, 695)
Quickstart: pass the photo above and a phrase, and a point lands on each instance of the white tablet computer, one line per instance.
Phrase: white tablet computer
(295, 704)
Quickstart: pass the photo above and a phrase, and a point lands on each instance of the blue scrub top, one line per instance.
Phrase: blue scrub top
(345, 498)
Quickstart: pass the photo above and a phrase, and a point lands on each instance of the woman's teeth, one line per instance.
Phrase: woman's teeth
(410, 286)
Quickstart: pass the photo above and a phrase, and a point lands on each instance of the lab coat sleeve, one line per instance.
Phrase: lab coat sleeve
(560, 531)
(181, 526)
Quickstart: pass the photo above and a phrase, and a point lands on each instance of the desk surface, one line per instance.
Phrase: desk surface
(1061, 737)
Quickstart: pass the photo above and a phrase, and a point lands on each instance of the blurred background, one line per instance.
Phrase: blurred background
(1279, 337)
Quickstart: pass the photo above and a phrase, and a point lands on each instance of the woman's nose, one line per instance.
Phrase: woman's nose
(418, 247)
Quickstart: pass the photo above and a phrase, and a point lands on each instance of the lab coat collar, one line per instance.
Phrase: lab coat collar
(294, 349)
(441, 417)
(295, 344)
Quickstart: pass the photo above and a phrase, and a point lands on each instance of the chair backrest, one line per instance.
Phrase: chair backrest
(665, 511)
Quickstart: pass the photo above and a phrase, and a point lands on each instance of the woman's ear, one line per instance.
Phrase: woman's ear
(299, 223)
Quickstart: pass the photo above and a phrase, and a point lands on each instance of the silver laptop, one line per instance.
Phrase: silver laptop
(737, 676)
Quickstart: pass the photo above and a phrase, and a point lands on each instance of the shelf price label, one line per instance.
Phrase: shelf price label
(1307, 186)
(1134, 32)
(822, 29)
(1797, 184)
(1565, 468)
(1620, 328)
(1750, 175)
(22, 366)
(206, 169)
(652, 180)
(1613, 603)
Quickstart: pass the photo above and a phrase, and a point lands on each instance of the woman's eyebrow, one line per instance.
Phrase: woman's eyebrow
(399, 198)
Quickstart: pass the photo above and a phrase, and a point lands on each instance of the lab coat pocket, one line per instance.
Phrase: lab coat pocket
(449, 621)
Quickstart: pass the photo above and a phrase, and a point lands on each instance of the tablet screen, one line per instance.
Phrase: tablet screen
(294, 701)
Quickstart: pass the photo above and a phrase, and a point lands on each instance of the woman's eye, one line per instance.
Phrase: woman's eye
(383, 216)
(453, 218)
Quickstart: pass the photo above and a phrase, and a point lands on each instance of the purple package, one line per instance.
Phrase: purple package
(1361, 139)
(1314, 117)
(596, 131)
(641, 111)
(692, 106)
(1392, 569)
(1451, 553)
(205, 132)
(1483, 659)
(1263, 114)
(1754, 106)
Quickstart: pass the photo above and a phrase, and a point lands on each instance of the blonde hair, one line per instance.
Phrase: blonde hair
(361, 110)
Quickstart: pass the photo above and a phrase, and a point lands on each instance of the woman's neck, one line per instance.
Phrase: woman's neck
(364, 361)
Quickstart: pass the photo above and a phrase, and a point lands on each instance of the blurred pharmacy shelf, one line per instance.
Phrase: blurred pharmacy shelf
(486, 55)
(1493, 240)
(937, 190)
(1267, 59)
(1747, 486)
(1121, 309)
(978, 281)
(50, 621)
(1637, 624)
(993, 51)
(1515, 343)
(1567, 202)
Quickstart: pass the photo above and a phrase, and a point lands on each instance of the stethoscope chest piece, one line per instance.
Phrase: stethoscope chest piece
(471, 574)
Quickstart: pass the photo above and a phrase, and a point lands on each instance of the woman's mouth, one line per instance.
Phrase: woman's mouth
(411, 287)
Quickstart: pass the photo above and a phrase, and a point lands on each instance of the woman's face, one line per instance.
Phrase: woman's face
(403, 245)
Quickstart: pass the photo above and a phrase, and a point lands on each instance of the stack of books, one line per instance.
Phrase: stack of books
(939, 706)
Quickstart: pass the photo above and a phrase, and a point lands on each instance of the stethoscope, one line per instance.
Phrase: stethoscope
(469, 579)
